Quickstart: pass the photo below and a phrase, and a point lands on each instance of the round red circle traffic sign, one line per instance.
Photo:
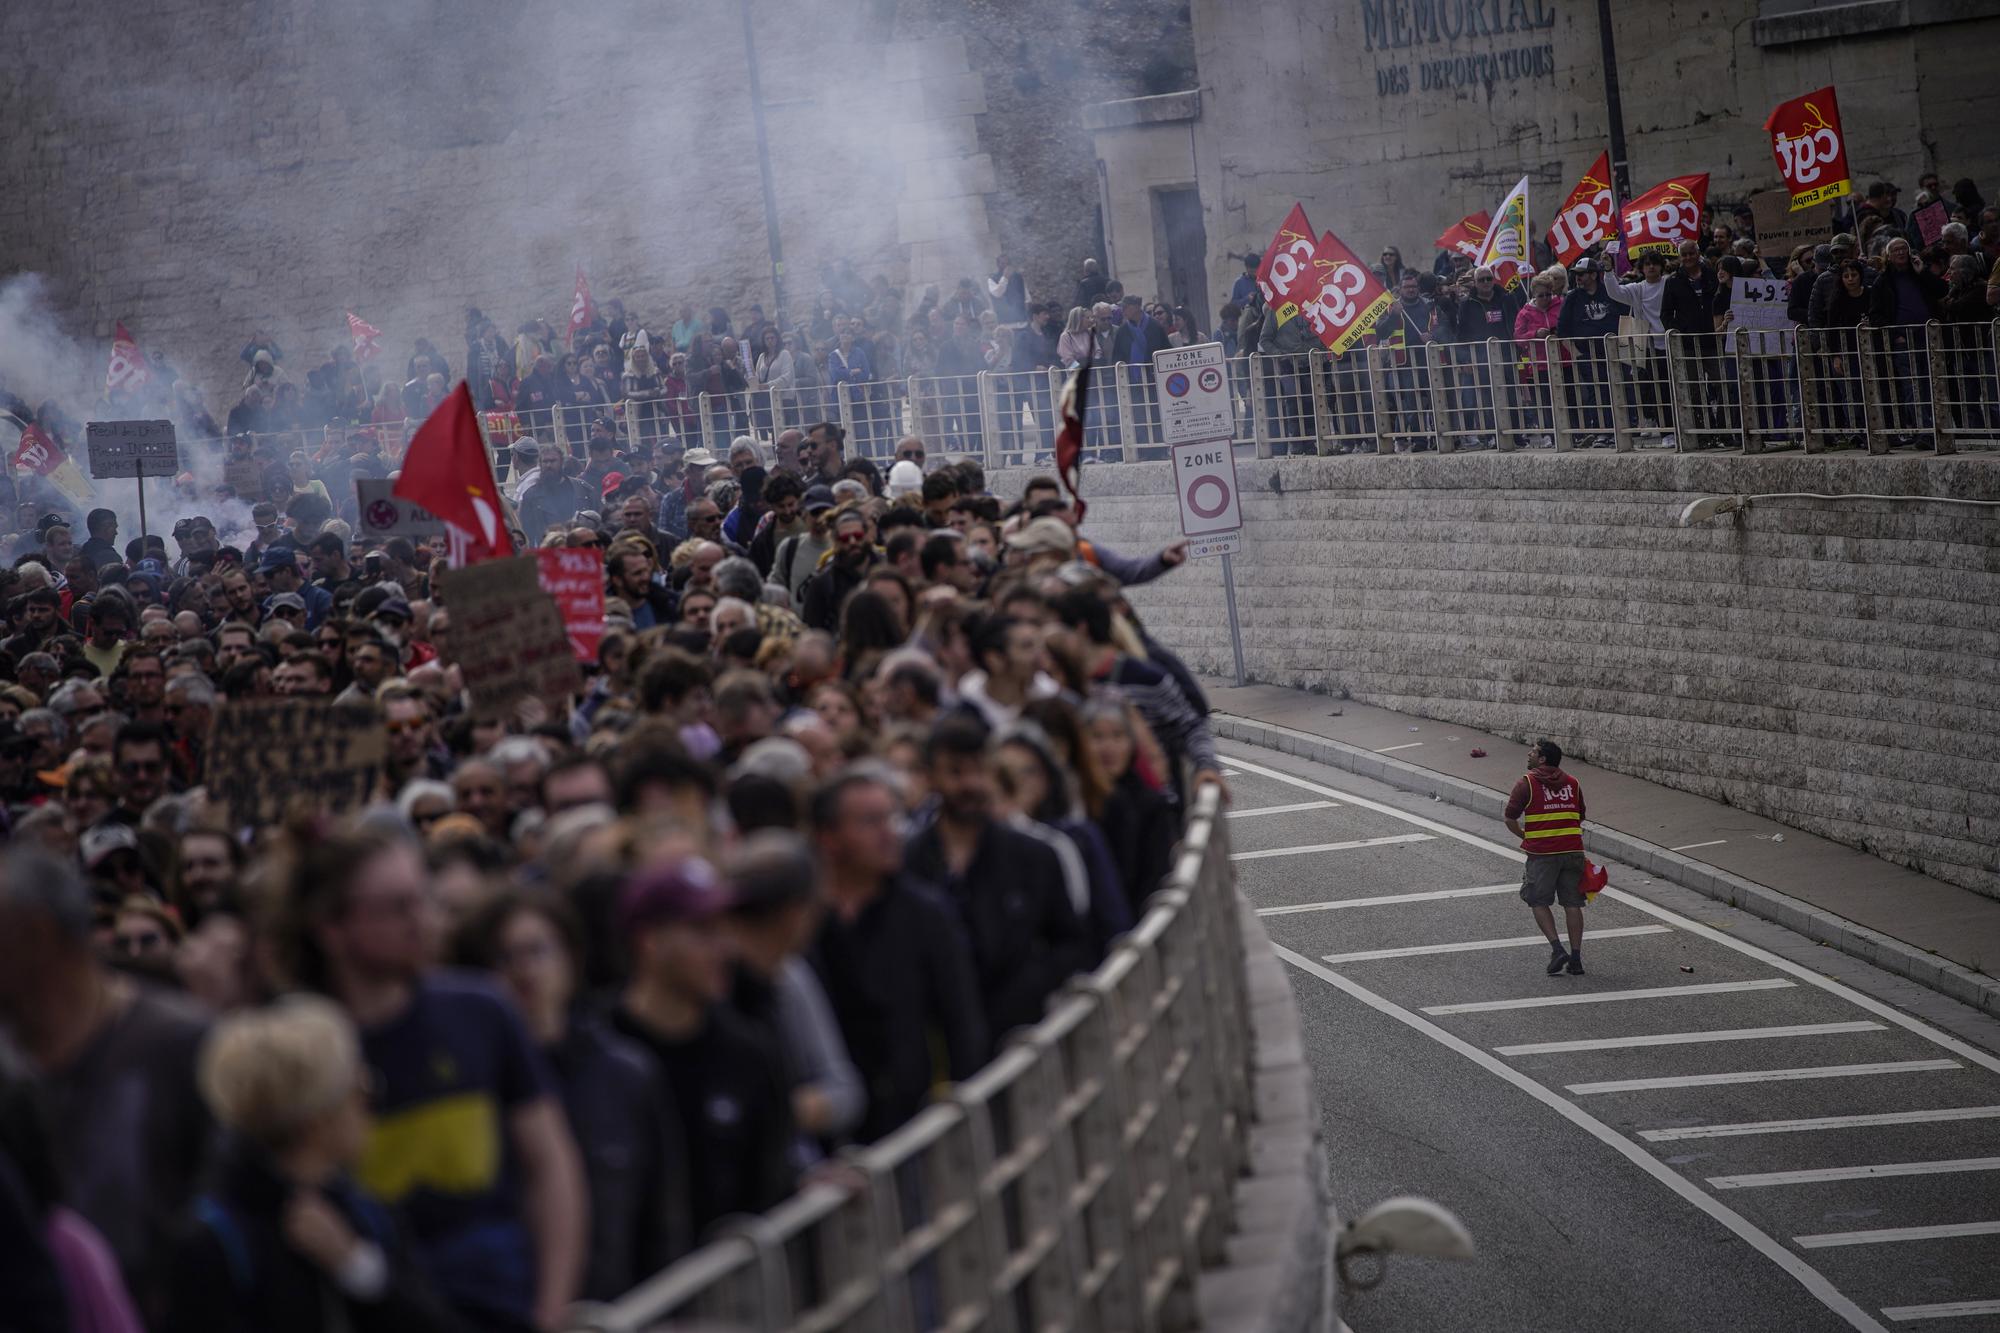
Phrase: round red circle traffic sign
(382, 515)
(1211, 379)
(1200, 485)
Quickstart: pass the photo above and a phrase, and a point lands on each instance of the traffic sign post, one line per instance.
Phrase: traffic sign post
(135, 449)
(383, 514)
(1212, 516)
(1191, 386)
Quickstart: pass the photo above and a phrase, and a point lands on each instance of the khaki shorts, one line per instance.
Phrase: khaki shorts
(1555, 878)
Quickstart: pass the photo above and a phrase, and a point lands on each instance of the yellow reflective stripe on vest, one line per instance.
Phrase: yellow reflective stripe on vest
(1546, 819)
(1571, 831)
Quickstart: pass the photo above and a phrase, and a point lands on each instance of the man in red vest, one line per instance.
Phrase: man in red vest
(1545, 811)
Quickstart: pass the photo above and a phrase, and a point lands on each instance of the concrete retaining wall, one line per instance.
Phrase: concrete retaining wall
(1829, 664)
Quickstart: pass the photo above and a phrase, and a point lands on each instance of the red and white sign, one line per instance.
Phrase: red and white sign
(1191, 385)
(1342, 299)
(1588, 216)
(1281, 277)
(367, 338)
(574, 576)
(1205, 483)
(1664, 216)
(580, 307)
(1811, 152)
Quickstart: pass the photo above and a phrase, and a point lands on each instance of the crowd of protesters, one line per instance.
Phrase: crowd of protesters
(866, 768)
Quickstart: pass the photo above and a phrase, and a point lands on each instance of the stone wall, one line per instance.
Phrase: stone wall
(1833, 665)
(201, 171)
(1392, 119)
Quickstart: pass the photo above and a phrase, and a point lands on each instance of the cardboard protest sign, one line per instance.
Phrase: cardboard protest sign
(244, 476)
(506, 636)
(264, 754)
(1781, 231)
(1931, 221)
(575, 578)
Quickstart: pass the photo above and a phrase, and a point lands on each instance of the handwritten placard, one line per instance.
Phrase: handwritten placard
(507, 637)
(266, 754)
(574, 576)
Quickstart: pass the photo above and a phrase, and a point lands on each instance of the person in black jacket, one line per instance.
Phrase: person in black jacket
(1687, 313)
(1009, 888)
(1141, 824)
(1903, 300)
(827, 590)
(281, 1238)
(620, 1111)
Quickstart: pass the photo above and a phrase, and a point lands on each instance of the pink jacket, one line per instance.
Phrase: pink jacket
(1529, 326)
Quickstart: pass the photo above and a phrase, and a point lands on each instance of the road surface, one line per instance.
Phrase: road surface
(1701, 1133)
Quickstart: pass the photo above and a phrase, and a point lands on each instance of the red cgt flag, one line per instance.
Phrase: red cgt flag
(1588, 216)
(1664, 216)
(1466, 235)
(129, 367)
(1811, 151)
(448, 473)
(580, 307)
(1342, 298)
(1069, 441)
(367, 338)
(1281, 276)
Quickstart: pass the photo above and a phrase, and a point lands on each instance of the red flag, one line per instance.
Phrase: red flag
(1069, 441)
(1664, 216)
(129, 368)
(1587, 216)
(580, 307)
(1811, 151)
(1285, 263)
(447, 472)
(367, 338)
(38, 453)
(1342, 298)
(1466, 235)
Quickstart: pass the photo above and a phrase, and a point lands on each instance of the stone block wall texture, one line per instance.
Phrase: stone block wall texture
(202, 171)
(1302, 100)
(1834, 665)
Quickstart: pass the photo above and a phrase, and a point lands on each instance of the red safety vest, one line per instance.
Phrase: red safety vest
(1553, 821)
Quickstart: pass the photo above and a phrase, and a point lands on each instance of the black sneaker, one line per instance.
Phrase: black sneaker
(1558, 957)
(1576, 964)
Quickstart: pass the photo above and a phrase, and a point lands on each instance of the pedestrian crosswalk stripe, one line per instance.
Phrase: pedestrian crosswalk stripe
(1598, 997)
(1391, 899)
(1283, 809)
(1952, 1167)
(1930, 1117)
(1332, 846)
(1688, 1038)
(1764, 1076)
(1891, 1235)
(1949, 1310)
(1470, 946)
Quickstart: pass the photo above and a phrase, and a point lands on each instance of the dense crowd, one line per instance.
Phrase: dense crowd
(864, 770)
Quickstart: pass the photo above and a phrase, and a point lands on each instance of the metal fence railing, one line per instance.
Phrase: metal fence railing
(1080, 1181)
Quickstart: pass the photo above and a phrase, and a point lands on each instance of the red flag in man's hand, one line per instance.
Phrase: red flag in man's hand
(581, 308)
(448, 473)
(1069, 441)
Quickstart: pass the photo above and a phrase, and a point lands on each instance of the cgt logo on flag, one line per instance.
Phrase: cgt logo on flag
(129, 369)
(1466, 235)
(1664, 216)
(1346, 300)
(1284, 266)
(1806, 141)
(580, 307)
(367, 338)
(1586, 216)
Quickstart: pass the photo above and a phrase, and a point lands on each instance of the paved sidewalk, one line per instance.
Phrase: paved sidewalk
(1945, 937)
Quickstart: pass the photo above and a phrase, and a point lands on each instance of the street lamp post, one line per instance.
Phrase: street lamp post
(764, 169)
(1621, 172)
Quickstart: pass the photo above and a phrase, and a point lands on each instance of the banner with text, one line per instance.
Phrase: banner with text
(1811, 152)
(1664, 216)
(1506, 250)
(506, 636)
(265, 755)
(574, 576)
(1588, 216)
(1342, 298)
(1281, 277)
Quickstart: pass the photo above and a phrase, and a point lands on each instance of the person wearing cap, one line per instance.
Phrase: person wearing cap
(774, 909)
(469, 1141)
(905, 479)
(602, 461)
(728, 1080)
(195, 536)
(280, 568)
(1589, 313)
(841, 573)
(1881, 201)
(797, 558)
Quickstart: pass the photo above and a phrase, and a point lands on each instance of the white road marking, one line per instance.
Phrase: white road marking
(1890, 1235)
(1854, 997)
(1687, 1038)
(1229, 773)
(1391, 899)
(1599, 997)
(1956, 1166)
(1763, 1076)
(1949, 1310)
(1937, 1116)
(1801, 1272)
(1474, 946)
(1391, 749)
(1282, 809)
(1690, 846)
(1332, 846)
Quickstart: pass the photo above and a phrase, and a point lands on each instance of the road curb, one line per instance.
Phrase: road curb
(1871, 946)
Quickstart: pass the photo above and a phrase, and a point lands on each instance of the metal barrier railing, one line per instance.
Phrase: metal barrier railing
(1080, 1181)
